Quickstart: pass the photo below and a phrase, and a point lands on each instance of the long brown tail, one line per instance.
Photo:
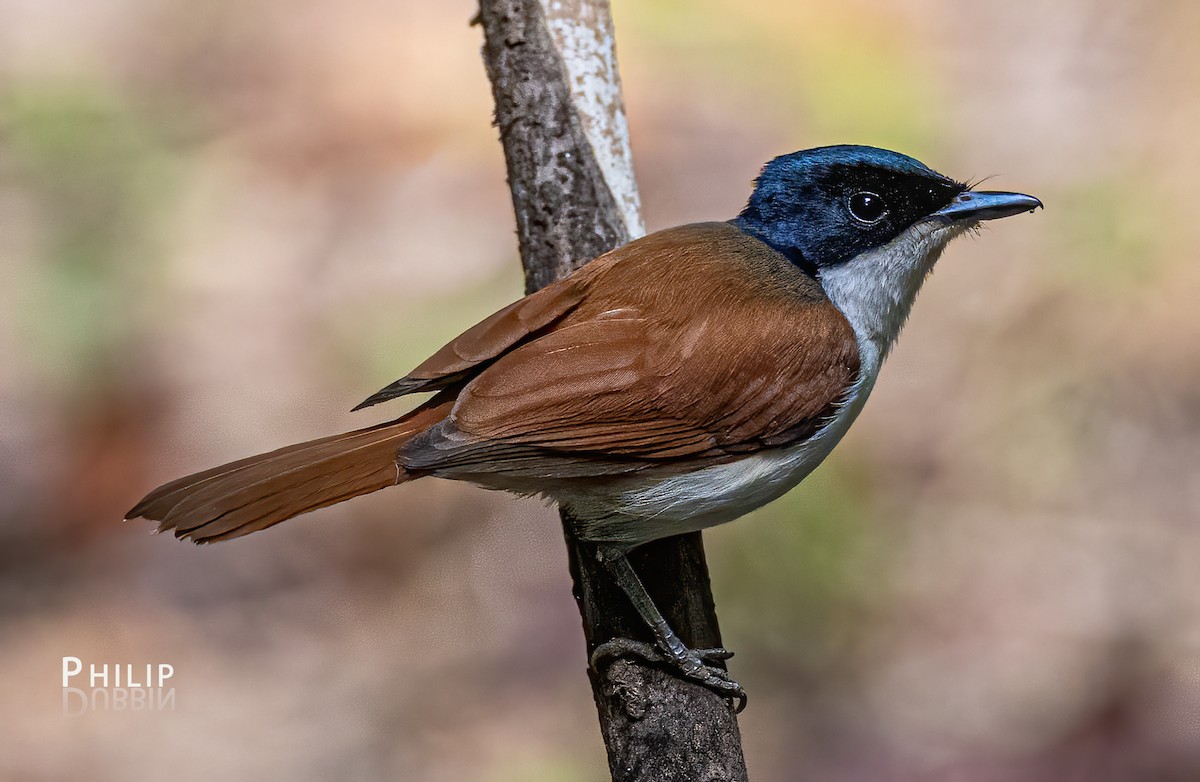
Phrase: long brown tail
(251, 494)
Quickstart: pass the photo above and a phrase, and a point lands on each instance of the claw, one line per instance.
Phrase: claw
(717, 655)
(692, 664)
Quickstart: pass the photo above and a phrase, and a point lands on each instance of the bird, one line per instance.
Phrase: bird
(674, 383)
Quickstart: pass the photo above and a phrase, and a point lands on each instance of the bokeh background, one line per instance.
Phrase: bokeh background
(224, 223)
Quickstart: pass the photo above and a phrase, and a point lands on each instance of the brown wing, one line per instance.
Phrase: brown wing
(708, 348)
(485, 341)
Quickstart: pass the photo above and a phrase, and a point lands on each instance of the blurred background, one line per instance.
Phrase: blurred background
(223, 224)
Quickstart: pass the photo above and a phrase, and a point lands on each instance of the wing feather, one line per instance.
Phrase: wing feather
(484, 341)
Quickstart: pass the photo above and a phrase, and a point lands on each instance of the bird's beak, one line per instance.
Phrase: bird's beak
(973, 206)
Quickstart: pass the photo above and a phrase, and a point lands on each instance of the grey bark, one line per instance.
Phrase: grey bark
(655, 726)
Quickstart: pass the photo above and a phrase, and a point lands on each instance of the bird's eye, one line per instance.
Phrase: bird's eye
(867, 207)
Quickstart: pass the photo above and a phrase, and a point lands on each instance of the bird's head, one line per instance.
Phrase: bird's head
(868, 223)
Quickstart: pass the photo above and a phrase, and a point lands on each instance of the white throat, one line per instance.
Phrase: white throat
(876, 289)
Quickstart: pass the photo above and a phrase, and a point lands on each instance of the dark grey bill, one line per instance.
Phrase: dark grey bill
(976, 205)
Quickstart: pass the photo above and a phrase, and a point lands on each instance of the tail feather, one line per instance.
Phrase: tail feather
(252, 494)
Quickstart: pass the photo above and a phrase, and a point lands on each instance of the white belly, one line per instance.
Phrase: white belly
(645, 509)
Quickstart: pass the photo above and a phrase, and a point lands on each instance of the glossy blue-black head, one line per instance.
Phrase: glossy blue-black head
(822, 207)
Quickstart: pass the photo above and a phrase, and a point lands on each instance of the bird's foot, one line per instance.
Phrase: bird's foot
(691, 664)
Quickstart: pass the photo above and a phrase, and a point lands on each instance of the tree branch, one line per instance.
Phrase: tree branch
(552, 66)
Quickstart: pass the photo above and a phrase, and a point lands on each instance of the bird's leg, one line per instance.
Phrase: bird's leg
(691, 663)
